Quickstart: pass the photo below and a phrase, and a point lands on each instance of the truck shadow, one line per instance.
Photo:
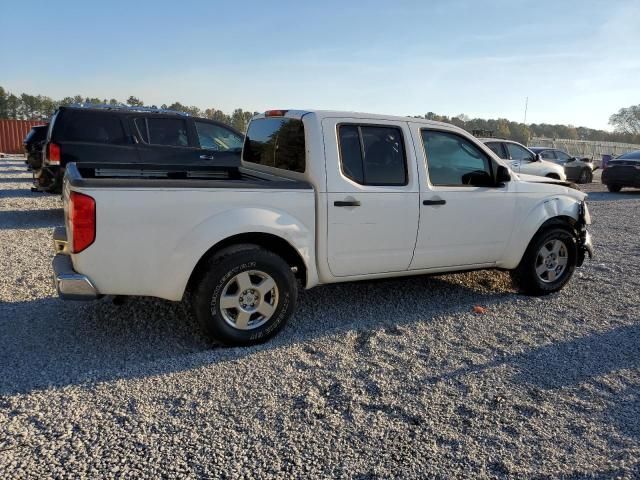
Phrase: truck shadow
(17, 180)
(22, 193)
(28, 219)
(50, 343)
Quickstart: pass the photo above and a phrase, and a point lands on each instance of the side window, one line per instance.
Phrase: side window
(168, 131)
(93, 127)
(453, 160)
(548, 155)
(497, 148)
(516, 152)
(373, 155)
(563, 157)
(218, 138)
(276, 142)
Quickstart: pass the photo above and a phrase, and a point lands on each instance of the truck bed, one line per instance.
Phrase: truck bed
(134, 175)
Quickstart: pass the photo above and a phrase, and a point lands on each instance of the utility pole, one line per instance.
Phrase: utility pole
(526, 105)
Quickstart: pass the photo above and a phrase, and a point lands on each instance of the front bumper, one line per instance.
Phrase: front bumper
(69, 284)
(585, 244)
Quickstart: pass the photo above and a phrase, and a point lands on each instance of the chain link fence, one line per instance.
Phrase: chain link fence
(584, 148)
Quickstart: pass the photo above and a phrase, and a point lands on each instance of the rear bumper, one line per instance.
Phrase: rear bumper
(623, 176)
(69, 284)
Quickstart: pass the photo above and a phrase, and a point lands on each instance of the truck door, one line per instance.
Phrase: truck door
(372, 195)
(466, 220)
(166, 140)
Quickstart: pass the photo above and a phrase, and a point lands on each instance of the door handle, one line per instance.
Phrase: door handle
(434, 202)
(346, 203)
(207, 157)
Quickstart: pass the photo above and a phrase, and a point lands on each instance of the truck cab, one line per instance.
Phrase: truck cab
(319, 197)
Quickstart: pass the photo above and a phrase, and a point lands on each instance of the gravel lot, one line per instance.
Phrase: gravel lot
(379, 379)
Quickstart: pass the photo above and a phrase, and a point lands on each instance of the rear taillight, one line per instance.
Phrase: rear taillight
(54, 153)
(82, 221)
(275, 113)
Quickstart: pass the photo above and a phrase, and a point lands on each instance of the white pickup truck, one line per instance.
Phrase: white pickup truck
(320, 197)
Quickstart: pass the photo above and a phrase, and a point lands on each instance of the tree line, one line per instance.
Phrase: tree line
(626, 128)
(40, 107)
(626, 121)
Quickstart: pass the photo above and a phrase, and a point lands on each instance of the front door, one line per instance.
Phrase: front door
(166, 140)
(465, 220)
(372, 197)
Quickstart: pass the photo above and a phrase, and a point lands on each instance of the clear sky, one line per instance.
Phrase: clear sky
(577, 61)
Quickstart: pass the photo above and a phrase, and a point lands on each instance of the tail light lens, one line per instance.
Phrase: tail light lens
(54, 153)
(82, 221)
(275, 113)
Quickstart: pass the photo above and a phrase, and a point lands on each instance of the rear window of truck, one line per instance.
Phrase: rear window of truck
(276, 142)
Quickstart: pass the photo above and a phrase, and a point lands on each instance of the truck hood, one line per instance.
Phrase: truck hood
(568, 187)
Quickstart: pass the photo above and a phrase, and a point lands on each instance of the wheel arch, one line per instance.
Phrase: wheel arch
(268, 241)
(553, 211)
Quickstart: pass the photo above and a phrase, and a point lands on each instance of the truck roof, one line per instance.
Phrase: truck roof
(347, 114)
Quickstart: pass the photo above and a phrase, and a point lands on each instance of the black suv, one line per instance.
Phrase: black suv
(129, 135)
(33, 143)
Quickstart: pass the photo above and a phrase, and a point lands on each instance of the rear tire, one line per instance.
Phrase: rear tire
(245, 295)
(585, 176)
(548, 263)
(614, 188)
(553, 175)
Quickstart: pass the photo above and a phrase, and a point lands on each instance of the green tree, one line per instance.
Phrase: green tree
(13, 106)
(627, 120)
(4, 112)
(134, 102)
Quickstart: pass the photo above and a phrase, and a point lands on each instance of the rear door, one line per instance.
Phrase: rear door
(167, 139)
(92, 136)
(372, 196)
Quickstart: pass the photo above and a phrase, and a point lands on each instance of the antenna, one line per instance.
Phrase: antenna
(526, 106)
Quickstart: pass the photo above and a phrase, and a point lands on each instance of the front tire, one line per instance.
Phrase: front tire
(553, 175)
(245, 295)
(548, 263)
(614, 188)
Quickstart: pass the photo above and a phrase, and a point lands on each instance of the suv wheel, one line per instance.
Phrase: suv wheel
(548, 263)
(585, 176)
(245, 296)
(553, 175)
(614, 188)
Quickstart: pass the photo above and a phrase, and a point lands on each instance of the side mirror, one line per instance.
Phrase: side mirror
(502, 174)
(537, 158)
(572, 159)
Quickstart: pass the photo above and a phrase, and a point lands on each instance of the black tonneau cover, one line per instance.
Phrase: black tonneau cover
(145, 175)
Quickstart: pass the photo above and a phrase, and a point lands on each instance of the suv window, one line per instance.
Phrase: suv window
(548, 155)
(516, 152)
(79, 126)
(562, 157)
(497, 148)
(171, 132)
(218, 138)
(453, 160)
(373, 155)
(276, 142)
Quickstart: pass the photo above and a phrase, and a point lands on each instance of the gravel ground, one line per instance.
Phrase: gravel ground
(377, 379)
